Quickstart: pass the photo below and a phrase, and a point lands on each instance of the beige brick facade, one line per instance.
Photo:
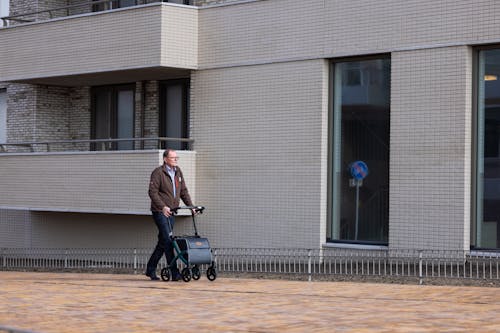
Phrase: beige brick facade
(259, 106)
(258, 134)
(430, 173)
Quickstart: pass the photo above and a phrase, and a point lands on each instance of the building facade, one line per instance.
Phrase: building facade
(299, 124)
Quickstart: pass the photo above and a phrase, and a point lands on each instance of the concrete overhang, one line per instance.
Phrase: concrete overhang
(110, 77)
(149, 42)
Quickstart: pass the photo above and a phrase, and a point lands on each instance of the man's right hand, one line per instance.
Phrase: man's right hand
(166, 211)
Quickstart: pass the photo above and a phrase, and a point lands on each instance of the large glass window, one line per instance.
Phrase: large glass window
(113, 116)
(174, 106)
(359, 154)
(486, 225)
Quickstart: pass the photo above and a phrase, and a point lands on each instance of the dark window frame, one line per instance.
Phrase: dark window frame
(113, 121)
(330, 149)
(475, 141)
(163, 85)
(115, 4)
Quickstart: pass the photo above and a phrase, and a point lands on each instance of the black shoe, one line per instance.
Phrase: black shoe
(152, 276)
(176, 276)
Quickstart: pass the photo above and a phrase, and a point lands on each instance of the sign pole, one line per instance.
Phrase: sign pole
(357, 209)
(359, 170)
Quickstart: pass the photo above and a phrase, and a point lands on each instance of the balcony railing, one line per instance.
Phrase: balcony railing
(85, 181)
(94, 145)
(81, 8)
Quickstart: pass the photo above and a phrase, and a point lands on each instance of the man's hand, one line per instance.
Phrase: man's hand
(166, 211)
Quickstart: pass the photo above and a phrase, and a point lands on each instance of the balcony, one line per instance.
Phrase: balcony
(152, 41)
(84, 181)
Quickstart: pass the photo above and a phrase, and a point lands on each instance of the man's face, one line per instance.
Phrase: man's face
(171, 159)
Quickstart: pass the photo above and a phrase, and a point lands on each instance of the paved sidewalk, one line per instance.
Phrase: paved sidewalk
(70, 302)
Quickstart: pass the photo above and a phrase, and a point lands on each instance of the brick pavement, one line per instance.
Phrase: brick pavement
(71, 302)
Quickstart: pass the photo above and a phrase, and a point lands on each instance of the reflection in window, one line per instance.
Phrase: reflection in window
(487, 231)
(174, 107)
(359, 209)
(113, 116)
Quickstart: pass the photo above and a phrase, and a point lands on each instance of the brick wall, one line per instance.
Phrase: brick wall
(151, 114)
(79, 115)
(430, 154)
(21, 113)
(259, 108)
(146, 113)
(17, 7)
(259, 134)
(30, 6)
(280, 30)
(47, 113)
(52, 113)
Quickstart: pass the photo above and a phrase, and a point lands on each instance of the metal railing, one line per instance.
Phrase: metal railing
(417, 266)
(81, 8)
(94, 145)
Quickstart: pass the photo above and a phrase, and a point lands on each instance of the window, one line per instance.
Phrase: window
(359, 123)
(3, 115)
(184, 2)
(486, 225)
(112, 4)
(4, 8)
(174, 107)
(113, 116)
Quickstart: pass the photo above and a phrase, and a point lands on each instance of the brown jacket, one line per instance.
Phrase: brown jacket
(161, 191)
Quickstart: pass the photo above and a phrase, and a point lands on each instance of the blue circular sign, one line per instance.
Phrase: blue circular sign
(359, 170)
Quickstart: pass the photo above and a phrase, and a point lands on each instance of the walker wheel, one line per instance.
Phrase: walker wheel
(186, 274)
(196, 273)
(211, 273)
(165, 274)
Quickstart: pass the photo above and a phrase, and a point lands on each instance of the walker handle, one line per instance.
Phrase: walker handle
(193, 209)
(197, 209)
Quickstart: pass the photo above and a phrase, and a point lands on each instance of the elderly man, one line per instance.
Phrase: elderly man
(166, 188)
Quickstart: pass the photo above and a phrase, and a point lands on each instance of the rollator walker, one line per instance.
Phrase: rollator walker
(192, 251)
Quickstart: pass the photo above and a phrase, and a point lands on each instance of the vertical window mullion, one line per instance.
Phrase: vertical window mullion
(480, 149)
(337, 153)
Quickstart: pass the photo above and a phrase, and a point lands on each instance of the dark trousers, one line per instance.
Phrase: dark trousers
(164, 245)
